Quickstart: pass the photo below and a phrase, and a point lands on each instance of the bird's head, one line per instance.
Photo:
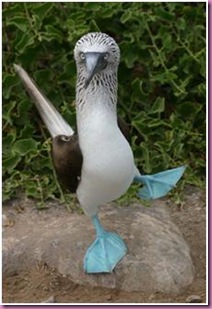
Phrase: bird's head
(96, 52)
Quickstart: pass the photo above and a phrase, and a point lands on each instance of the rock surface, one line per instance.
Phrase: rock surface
(50, 300)
(158, 257)
(194, 299)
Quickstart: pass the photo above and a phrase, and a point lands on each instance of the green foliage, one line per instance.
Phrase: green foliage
(162, 87)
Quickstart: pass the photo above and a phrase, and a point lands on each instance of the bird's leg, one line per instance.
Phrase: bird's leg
(105, 252)
(158, 185)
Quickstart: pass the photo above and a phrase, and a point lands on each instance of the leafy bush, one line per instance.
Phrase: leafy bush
(162, 88)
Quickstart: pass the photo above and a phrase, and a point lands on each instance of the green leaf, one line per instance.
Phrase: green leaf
(42, 10)
(9, 82)
(11, 10)
(156, 123)
(158, 106)
(94, 26)
(19, 21)
(167, 41)
(32, 189)
(52, 33)
(25, 146)
(11, 162)
(186, 107)
(164, 14)
(126, 16)
(6, 145)
(24, 41)
(164, 77)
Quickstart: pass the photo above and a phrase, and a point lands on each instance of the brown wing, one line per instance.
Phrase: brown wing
(67, 160)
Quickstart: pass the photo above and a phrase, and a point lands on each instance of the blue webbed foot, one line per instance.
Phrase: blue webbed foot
(158, 185)
(105, 252)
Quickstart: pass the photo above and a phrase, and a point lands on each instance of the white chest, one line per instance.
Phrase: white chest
(108, 164)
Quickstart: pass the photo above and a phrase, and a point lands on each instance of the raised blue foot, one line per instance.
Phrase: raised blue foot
(105, 252)
(158, 185)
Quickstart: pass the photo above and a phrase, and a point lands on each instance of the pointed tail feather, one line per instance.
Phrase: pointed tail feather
(158, 185)
(54, 122)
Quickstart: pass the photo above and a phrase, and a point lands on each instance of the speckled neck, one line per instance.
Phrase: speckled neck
(101, 92)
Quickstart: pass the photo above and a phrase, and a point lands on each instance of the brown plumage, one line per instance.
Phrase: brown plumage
(67, 160)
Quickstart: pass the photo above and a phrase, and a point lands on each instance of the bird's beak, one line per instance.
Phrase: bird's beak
(54, 122)
(94, 62)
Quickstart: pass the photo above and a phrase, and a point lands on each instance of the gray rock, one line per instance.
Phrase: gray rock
(50, 300)
(158, 259)
(4, 220)
(194, 299)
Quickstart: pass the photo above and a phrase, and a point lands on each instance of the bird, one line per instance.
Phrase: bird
(97, 162)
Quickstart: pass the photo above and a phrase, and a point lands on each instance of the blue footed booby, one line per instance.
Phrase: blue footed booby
(97, 163)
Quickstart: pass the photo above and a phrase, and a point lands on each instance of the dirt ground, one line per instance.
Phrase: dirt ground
(42, 284)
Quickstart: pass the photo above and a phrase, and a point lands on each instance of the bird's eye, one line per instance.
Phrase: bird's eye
(82, 56)
(106, 56)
